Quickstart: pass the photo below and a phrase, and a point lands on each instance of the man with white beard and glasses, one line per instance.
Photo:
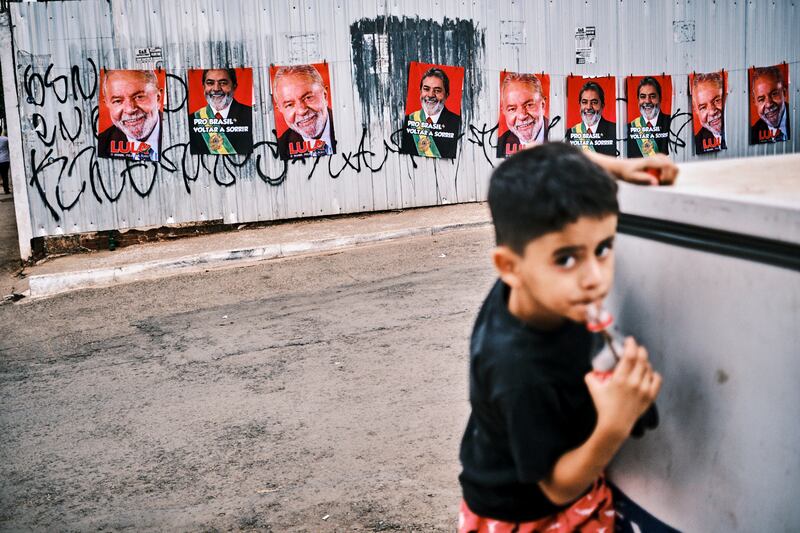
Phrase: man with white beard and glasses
(133, 99)
(522, 103)
(433, 130)
(648, 134)
(302, 98)
(769, 95)
(593, 133)
(224, 125)
(708, 101)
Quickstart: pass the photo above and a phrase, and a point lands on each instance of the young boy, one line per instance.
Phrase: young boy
(543, 426)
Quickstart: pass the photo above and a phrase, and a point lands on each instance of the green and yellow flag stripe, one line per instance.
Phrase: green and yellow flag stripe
(646, 141)
(425, 144)
(217, 143)
(581, 129)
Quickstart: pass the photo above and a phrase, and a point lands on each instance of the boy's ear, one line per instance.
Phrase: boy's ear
(506, 262)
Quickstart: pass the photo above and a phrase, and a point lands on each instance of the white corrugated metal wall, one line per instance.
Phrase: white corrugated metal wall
(60, 46)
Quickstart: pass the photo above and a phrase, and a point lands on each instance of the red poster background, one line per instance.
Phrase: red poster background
(104, 120)
(544, 79)
(243, 93)
(454, 74)
(632, 83)
(574, 85)
(784, 69)
(696, 126)
(322, 68)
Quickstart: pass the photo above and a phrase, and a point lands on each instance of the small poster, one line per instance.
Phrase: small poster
(649, 114)
(769, 104)
(303, 110)
(592, 114)
(433, 110)
(585, 45)
(220, 111)
(708, 110)
(130, 105)
(148, 55)
(524, 111)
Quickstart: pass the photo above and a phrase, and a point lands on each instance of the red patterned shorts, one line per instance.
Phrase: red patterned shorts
(592, 513)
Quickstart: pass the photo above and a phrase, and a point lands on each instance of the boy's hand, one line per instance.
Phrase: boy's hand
(620, 399)
(624, 396)
(657, 169)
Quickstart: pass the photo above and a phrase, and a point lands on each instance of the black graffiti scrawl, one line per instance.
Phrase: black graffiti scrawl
(60, 118)
(382, 48)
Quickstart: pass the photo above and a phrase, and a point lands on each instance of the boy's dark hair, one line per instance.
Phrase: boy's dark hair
(543, 189)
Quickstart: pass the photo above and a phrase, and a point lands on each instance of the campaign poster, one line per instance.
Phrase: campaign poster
(524, 111)
(433, 110)
(649, 114)
(708, 92)
(592, 114)
(302, 99)
(220, 111)
(130, 108)
(769, 104)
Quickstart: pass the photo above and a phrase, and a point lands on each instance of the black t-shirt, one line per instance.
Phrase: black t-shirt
(530, 405)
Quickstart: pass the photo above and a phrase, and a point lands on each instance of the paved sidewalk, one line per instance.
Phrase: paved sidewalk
(238, 248)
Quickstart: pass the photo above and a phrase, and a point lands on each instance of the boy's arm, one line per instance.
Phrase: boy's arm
(619, 400)
(636, 170)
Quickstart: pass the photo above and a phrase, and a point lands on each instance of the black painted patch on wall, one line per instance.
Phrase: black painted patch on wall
(383, 47)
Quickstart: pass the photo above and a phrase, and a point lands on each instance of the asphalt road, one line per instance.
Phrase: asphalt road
(318, 393)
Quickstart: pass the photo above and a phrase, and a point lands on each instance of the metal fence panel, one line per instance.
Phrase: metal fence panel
(59, 48)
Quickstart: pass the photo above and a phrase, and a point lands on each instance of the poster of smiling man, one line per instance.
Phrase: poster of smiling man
(303, 110)
(524, 108)
(592, 114)
(433, 110)
(708, 110)
(649, 114)
(769, 104)
(131, 103)
(220, 111)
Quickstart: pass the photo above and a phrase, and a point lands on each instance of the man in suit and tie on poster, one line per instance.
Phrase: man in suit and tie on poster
(522, 103)
(433, 130)
(593, 133)
(769, 98)
(708, 100)
(133, 99)
(224, 126)
(648, 133)
(301, 97)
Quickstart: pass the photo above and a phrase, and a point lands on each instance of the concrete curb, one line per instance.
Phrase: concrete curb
(51, 284)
